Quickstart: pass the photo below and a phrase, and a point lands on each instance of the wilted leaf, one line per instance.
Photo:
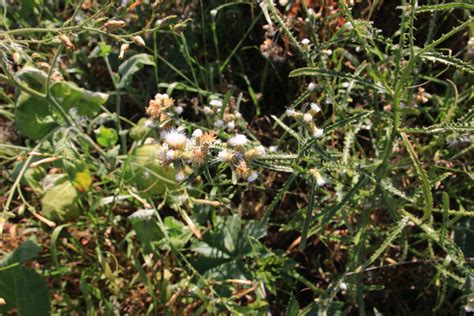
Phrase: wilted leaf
(82, 180)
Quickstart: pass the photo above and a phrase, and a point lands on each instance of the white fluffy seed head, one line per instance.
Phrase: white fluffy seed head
(197, 133)
(213, 12)
(345, 84)
(225, 155)
(207, 110)
(219, 123)
(290, 112)
(238, 140)
(318, 133)
(169, 154)
(174, 138)
(305, 42)
(307, 117)
(253, 176)
(150, 124)
(180, 176)
(178, 109)
(315, 107)
(231, 126)
(260, 150)
(311, 86)
(216, 103)
(272, 149)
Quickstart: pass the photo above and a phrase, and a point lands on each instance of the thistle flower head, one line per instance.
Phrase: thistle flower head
(197, 133)
(174, 138)
(178, 110)
(260, 150)
(150, 123)
(311, 86)
(318, 132)
(216, 103)
(238, 140)
(305, 42)
(315, 107)
(207, 109)
(225, 155)
(317, 176)
(242, 170)
(218, 123)
(290, 112)
(180, 176)
(307, 118)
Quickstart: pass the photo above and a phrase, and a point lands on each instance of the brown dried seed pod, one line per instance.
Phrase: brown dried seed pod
(67, 41)
(114, 24)
(138, 40)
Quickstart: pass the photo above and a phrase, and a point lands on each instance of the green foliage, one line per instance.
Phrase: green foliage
(22, 287)
(60, 202)
(299, 159)
(146, 173)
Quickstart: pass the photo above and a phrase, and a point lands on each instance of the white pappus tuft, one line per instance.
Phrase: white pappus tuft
(238, 140)
(225, 155)
(174, 138)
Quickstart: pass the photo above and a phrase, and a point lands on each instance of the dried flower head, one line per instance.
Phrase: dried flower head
(242, 170)
(208, 138)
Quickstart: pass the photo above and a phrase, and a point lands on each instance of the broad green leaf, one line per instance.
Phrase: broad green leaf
(146, 173)
(106, 137)
(70, 96)
(60, 202)
(26, 251)
(33, 77)
(146, 227)
(22, 288)
(132, 65)
(33, 117)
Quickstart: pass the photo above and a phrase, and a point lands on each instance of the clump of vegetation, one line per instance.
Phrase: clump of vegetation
(297, 158)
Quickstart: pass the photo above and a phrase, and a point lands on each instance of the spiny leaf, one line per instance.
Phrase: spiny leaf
(444, 6)
(308, 71)
(448, 60)
(424, 178)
